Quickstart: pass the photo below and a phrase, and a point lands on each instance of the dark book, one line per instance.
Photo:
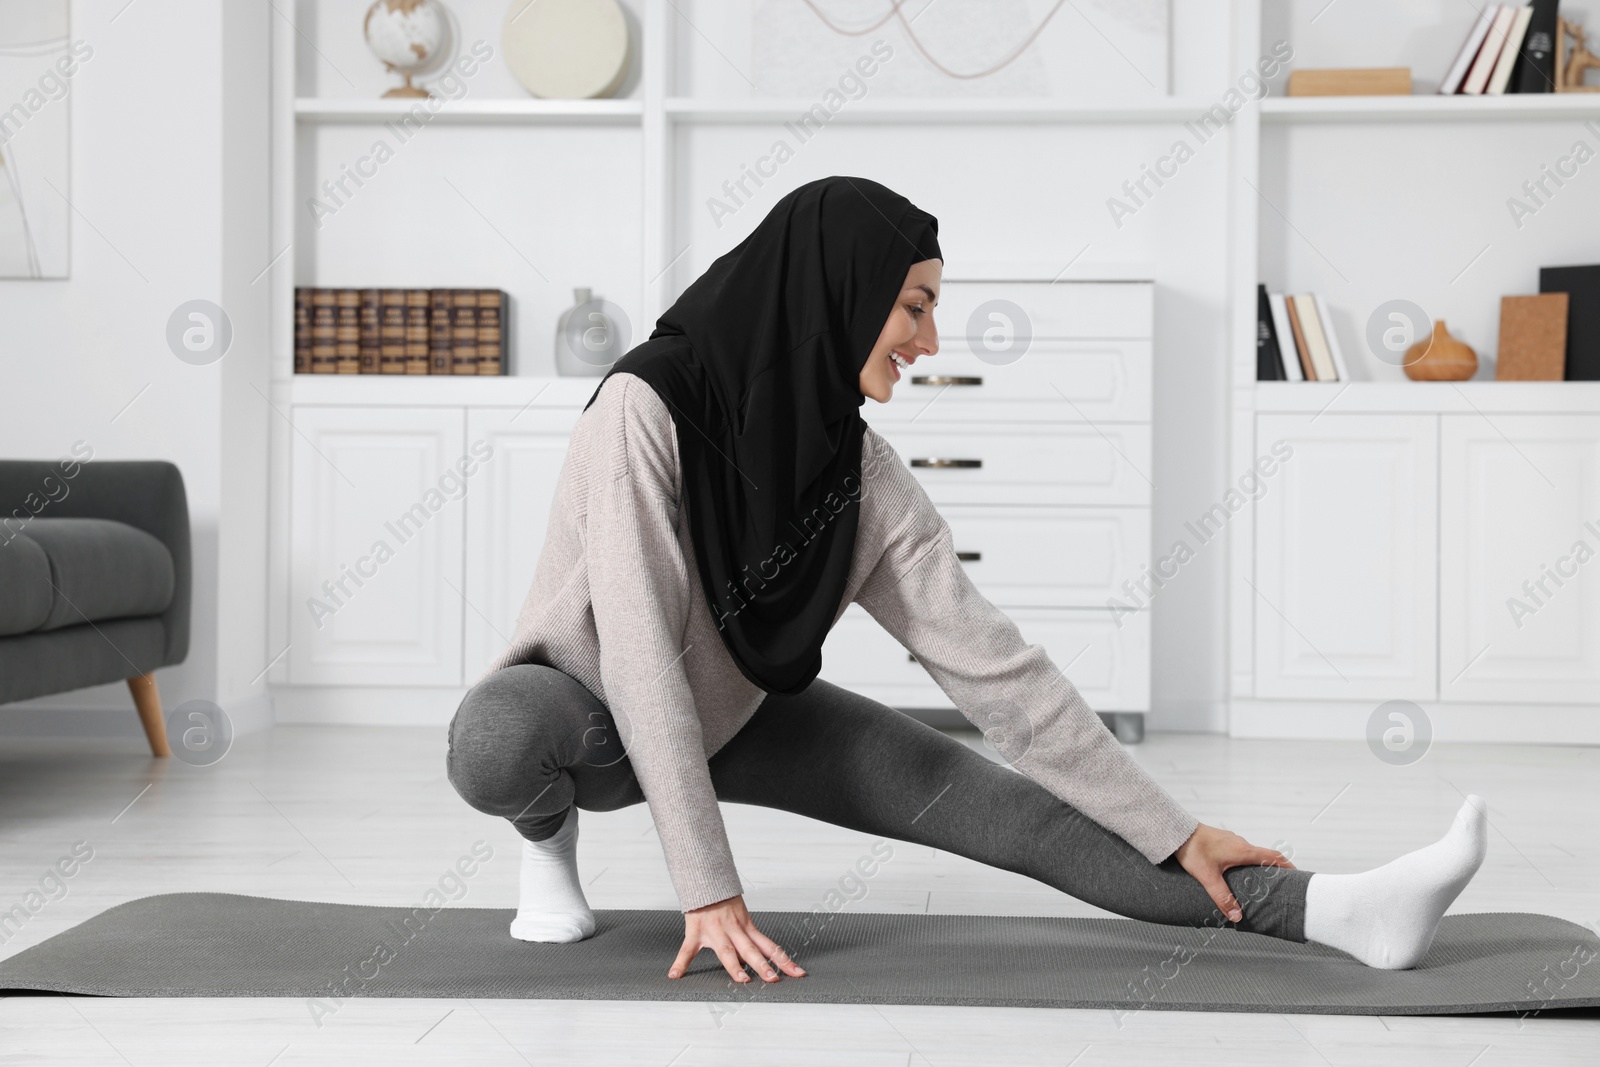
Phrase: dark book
(463, 331)
(324, 331)
(438, 331)
(491, 331)
(371, 310)
(302, 330)
(1582, 286)
(392, 331)
(1535, 71)
(416, 331)
(1269, 357)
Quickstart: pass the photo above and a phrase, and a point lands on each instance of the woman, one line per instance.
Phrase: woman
(722, 502)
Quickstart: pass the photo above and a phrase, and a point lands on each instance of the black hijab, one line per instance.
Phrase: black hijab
(759, 362)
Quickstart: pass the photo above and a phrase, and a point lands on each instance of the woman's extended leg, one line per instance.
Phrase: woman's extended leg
(843, 758)
(530, 743)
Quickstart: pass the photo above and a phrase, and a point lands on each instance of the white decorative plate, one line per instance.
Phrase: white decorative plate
(566, 49)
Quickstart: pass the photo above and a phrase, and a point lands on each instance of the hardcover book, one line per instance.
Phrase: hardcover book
(1269, 359)
(392, 331)
(439, 331)
(1297, 323)
(371, 312)
(416, 331)
(1582, 286)
(1535, 71)
(491, 331)
(302, 330)
(1292, 371)
(464, 331)
(348, 335)
(324, 332)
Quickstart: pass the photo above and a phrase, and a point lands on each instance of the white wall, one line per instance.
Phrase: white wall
(169, 155)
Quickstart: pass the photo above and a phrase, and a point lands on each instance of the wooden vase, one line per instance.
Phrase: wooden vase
(1440, 358)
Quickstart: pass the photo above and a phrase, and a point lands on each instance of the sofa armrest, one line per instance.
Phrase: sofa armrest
(145, 494)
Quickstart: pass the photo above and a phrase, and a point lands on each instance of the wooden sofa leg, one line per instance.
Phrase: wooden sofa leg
(148, 700)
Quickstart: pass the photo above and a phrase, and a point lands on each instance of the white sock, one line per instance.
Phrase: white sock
(1387, 917)
(550, 903)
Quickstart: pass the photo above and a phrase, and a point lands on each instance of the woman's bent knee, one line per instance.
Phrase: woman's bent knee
(509, 732)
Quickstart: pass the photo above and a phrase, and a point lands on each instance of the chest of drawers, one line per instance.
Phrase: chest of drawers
(1030, 430)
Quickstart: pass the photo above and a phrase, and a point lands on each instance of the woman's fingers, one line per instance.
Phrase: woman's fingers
(753, 956)
(1221, 895)
(1268, 857)
(686, 955)
(730, 961)
(776, 954)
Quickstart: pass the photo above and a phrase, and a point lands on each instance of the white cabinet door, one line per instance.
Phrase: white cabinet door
(1519, 595)
(508, 511)
(376, 534)
(1346, 569)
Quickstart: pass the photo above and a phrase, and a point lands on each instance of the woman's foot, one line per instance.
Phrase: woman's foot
(1387, 917)
(550, 903)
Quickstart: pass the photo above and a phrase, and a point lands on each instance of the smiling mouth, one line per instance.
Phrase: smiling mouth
(899, 361)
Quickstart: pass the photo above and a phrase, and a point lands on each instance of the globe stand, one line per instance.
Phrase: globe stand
(407, 91)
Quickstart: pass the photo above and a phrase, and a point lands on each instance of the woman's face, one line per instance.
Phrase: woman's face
(908, 334)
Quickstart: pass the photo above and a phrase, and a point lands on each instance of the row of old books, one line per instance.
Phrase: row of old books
(1295, 340)
(400, 331)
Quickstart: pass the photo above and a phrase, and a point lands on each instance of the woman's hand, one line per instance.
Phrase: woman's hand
(726, 929)
(1210, 851)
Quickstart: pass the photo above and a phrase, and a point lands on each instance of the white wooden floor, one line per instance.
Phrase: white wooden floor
(365, 815)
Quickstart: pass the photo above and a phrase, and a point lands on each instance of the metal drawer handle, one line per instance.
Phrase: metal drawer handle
(946, 379)
(930, 462)
(969, 557)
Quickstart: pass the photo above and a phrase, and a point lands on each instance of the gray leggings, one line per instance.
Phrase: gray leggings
(529, 741)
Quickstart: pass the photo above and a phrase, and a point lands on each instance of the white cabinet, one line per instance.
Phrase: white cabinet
(1519, 558)
(1345, 576)
(508, 511)
(376, 536)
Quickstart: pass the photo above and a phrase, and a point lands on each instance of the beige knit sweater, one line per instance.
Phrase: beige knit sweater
(616, 604)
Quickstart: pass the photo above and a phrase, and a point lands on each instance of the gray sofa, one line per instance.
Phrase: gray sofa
(94, 579)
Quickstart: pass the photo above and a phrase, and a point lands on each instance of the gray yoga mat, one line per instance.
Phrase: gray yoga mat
(221, 945)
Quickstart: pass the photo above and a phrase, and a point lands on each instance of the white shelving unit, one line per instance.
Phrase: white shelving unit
(1411, 512)
(390, 432)
(1361, 199)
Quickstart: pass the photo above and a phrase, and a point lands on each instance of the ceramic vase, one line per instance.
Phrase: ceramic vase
(1439, 357)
